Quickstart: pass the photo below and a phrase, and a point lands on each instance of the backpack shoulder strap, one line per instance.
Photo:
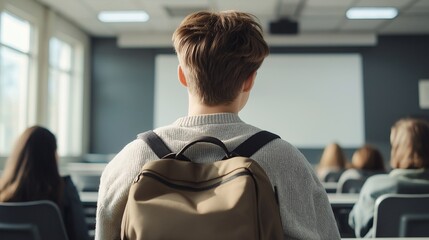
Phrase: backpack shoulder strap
(155, 143)
(245, 149)
(254, 143)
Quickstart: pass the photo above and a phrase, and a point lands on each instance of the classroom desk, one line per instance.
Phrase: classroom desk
(343, 199)
(341, 205)
(330, 187)
(88, 198)
(336, 200)
(89, 202)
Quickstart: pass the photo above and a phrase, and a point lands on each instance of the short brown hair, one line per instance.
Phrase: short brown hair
(368, 158)
(409, 138)
(218, 52)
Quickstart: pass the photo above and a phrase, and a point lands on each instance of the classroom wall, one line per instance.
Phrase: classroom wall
(122, 89)
(121, 94)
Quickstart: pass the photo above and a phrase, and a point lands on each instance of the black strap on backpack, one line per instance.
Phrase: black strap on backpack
(245, 149)
(156, 143)
(254, 143)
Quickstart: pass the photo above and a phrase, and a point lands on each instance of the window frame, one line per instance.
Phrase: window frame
(76, 78)
(65, 31)
(46, 24)
(32, 54)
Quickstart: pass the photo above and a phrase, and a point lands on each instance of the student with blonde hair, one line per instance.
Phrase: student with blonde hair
(219, 54)
(31, 173)
(332, 163)
(409, 138)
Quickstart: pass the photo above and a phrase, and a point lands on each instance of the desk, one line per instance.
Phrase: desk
(336, 200)
(88, 198)
(80, 167)
(341, 205)
(330, 187)
(343, 199)
(89, 203)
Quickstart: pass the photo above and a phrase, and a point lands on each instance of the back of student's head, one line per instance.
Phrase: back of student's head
(333, 156)
(409, 138)
(368, 158)
(31, 171)
(218, 51)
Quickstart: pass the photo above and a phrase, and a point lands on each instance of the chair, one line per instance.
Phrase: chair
(352, 180)
(35, 220)
(333, 176)
(351, 186)
(402, 215)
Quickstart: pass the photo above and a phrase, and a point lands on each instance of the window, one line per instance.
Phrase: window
(15, 61)
(43, 72)
(64, 100)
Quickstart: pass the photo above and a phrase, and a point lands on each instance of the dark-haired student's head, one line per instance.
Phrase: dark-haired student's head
(31, 171)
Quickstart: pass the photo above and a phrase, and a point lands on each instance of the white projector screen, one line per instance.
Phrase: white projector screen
(310, 100)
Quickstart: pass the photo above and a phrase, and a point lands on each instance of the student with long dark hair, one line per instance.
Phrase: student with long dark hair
(31, 173)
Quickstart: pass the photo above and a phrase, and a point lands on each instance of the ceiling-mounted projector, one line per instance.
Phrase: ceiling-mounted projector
(284, 26)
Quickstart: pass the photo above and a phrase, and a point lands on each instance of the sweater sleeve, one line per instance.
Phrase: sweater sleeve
(312, 213)
(115, 183)
(304, 206)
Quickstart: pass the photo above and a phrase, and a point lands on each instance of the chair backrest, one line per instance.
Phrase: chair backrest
(352, 180)
(333, 176)
(35, 220)
(402, 215)
(351, 186)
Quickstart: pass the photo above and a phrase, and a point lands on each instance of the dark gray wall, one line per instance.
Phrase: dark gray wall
(123, 84)
(122, 87)
(391, 74)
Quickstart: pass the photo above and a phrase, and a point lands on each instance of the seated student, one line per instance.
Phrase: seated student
(219, 54)
(366, 161)
(410, 162)
(332, 163)
(31, 173)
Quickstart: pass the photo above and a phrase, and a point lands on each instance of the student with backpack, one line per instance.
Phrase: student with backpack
(219, 54)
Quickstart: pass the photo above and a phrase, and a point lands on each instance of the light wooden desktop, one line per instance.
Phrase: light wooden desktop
(343, 199)
(334, 199)
(341, 206)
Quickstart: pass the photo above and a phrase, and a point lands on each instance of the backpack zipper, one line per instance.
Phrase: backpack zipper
(162, 180)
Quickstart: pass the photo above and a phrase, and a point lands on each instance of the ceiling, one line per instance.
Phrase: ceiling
(315, 17)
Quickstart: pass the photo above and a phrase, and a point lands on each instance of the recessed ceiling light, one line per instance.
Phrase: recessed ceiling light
(372, 13)
(123, 16)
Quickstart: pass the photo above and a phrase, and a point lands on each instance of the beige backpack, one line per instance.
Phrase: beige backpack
(175, 198)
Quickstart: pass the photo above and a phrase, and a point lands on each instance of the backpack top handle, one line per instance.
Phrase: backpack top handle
(203, 139)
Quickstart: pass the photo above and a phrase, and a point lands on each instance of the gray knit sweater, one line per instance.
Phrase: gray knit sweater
(305, 209)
